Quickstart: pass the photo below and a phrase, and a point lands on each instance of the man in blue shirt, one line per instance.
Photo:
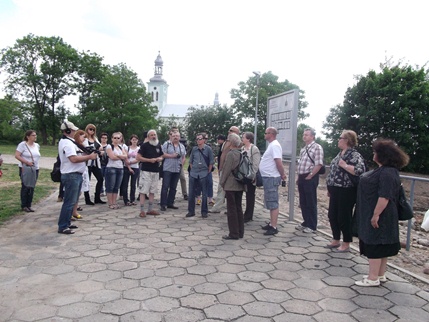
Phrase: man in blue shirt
(201, 163)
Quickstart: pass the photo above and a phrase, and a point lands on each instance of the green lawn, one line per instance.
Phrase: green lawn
(10, 187)
(45, 150)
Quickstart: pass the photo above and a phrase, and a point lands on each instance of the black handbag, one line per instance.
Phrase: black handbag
(258, 179)
(405, 212)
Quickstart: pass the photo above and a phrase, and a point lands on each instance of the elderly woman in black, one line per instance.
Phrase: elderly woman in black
(377, 212)
(342, 191)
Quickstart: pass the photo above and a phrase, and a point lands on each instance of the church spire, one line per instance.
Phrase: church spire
(216, 100)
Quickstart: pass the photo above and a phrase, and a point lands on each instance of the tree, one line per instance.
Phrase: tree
(119, 102)
(11, 120)
(213, 120)
(91, 72)
(391, 104)
(40, 70)
(245, 100)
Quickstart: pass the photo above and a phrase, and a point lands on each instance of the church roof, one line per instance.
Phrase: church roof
(178, 110)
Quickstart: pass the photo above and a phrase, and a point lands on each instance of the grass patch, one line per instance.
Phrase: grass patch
(45, 150)
(10, 187)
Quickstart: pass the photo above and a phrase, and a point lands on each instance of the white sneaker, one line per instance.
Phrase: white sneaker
(308, 230)
(382, 278)
(366, 282)
(299, 227)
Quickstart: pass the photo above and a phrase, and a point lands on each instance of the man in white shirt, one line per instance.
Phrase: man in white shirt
(272, 172)
(73, 165)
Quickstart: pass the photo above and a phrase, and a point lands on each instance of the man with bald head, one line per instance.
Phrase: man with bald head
(220, 193)
(272, 172)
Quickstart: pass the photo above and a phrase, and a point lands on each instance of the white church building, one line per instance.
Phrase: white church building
(158, 89)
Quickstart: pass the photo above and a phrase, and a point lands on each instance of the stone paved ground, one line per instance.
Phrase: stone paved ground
(118, 267)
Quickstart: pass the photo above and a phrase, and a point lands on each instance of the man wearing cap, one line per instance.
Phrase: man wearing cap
(226, 146)
(73, 165)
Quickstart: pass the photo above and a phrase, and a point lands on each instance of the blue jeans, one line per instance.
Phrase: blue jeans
(308, 200)
(113, 179)
(209, 186)
(126, 180)
(191, 201)
(72, 183)
(169, 187)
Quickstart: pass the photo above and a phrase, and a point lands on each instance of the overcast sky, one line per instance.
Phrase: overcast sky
(210, 46)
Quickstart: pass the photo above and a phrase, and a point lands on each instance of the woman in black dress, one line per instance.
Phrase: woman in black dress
(377, 212)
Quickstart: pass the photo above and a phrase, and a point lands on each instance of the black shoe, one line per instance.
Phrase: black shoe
(173, 207)
(190, 215)
(185, 197)
(73, 227)
(227, 237)
(100, 201)
(247, 220)
(26, 209)
(163, 208)
(241, 236)
(266, 227)
(66, 231)
(89, 203)
(271, 231)
(204, 215)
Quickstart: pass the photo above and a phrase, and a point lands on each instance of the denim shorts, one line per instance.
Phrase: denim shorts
(271, 192)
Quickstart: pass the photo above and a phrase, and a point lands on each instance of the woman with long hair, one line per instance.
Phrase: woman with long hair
(94, 166)
(114, 169)
(377, 210)
(103, 159)
(255, 157)
(131, 171)
(28, 154)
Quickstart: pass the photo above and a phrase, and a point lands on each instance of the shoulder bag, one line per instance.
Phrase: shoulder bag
(405, 212)
(322, 170)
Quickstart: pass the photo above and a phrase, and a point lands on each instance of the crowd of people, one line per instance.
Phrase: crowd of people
(361, 202)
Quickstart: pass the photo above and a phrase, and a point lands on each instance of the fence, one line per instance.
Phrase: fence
(412, 186)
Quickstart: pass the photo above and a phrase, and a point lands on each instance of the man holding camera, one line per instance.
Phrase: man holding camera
(174, 157)
(73, 165)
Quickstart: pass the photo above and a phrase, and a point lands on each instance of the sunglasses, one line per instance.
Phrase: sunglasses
(91, 129)
(199, 139)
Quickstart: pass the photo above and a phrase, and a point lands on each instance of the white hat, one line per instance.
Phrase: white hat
(68, 125)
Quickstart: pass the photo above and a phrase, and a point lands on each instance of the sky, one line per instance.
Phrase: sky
(210, 46)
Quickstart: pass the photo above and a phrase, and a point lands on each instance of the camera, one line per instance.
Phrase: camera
(178, 155)
(91, 149)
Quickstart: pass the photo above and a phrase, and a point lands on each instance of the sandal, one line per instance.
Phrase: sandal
(112, 206)
(77, 216)
(79, 209)
(366, 282)
(128, 204)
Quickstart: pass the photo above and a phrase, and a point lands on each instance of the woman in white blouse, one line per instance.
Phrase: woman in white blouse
(28, 153)
(115, 169)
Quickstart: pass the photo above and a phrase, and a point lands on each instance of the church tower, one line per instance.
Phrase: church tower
(157, 86)
(216, 100)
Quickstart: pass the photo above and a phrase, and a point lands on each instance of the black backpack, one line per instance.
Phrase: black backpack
(56, 172)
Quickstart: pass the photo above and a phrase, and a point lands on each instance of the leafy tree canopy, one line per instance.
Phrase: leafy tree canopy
(40, 71)
(245, 101)
(391, 104)
(119, 102)
(213, 120)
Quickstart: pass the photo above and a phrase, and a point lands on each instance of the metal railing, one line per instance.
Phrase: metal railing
(411, 200)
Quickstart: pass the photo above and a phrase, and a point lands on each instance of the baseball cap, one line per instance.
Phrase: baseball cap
(68, 125)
